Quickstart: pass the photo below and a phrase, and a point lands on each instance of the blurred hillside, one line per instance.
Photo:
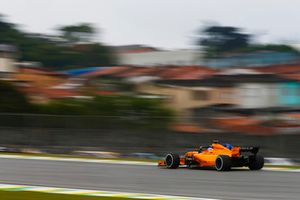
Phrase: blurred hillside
(62, 87)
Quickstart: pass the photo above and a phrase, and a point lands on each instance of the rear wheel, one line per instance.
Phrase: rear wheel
(172, 160)
(256, 162)
(223, 163)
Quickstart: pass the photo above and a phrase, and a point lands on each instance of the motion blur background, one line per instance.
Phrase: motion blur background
(141, 78)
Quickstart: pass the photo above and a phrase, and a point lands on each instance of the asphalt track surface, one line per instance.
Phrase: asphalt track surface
(237, 184)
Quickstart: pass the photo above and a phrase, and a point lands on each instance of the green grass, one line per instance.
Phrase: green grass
(7, 195)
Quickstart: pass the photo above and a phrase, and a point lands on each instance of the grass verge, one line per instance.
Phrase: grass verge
(16, 195)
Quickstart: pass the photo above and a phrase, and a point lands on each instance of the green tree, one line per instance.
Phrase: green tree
(218, 40)
(12, 100)
(74, 34)
(53, 53)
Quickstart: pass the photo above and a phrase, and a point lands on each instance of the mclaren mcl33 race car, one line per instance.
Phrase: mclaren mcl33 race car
(222, 157)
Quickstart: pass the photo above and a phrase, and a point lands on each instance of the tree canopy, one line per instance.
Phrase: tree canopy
(53, 52)
(78, 33)
(220, 39)
(12, 100)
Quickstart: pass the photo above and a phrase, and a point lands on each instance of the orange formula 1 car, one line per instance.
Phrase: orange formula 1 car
(219, 156)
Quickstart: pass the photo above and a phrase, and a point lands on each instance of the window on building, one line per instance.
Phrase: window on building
(251, 92)
(225, 95)
(200, 95)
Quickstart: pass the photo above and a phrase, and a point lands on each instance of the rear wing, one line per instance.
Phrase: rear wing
(250, 149)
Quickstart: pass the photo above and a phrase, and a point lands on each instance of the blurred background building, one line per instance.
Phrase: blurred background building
(140, 55)
(8, 55)
(66, 92)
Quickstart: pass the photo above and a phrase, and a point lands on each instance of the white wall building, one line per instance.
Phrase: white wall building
(7, 60)
(257, 95)
(296, 46)
(154, 58)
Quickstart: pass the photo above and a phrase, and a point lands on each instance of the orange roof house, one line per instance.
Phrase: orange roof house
(106, 71)
(186, 72)
(39, 78)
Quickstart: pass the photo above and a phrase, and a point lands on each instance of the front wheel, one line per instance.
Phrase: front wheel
(172, 160)
(256, 162)
(223, 163)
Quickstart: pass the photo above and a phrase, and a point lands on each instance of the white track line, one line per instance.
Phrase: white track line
(106, 161)
(279, 169)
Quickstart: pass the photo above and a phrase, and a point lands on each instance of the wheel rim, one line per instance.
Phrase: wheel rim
(219, 163)
(169, 160)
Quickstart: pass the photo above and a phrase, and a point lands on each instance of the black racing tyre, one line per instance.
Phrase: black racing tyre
(223, 163)
(256, 162)
(172, 160)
